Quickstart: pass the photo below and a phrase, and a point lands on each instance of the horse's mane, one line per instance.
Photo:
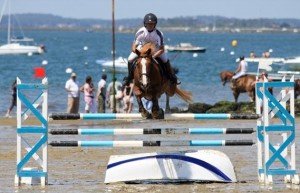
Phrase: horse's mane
(146, 47)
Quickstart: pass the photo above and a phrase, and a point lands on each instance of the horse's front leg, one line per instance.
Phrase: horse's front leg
(142, 110)
(236, 96)
(156, 112)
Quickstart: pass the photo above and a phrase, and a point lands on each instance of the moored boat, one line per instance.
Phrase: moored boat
(119, 63)
(184, 47)
(293, 63)
(12, 46)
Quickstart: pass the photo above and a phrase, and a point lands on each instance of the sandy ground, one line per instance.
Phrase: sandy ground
(83, 169)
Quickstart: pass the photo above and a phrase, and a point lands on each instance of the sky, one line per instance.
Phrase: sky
(102, 9)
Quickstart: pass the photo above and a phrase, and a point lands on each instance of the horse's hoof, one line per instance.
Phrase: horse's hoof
(146, 115)
(161, 114)
(158, 114)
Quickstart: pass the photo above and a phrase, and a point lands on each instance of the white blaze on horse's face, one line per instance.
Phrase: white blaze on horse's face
(144, 71)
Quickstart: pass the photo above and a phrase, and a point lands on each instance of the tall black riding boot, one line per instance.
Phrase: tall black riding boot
(171, 73)
(130, 74)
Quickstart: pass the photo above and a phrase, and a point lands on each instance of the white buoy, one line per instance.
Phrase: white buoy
(69, 70)
(85, 48)
(195, 55)
(29, 54)
(232, 53)
(270, 50)
(222, 49)
(44, 62)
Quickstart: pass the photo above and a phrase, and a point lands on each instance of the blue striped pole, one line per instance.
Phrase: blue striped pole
(147, 131)
(151, 143)
(112, 116)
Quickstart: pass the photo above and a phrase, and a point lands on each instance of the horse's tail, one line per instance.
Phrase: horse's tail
(184, 95)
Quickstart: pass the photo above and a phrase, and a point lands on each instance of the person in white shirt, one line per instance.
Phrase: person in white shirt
(72, 87)
(150, 34)
(101, 94)
(114, 94)
(240, 71)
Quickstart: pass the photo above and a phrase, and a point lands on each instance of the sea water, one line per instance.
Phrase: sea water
(79, 51)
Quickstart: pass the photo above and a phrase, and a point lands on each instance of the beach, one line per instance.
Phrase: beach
(81, 169)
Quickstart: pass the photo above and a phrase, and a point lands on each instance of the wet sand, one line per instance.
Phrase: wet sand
(80, 169)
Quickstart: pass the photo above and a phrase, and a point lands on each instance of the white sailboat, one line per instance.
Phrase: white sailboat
(14, 47)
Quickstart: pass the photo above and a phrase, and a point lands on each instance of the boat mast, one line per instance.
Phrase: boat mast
(8, 24)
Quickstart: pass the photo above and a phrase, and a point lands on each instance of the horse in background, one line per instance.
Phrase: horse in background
(150, 82)
(296, 88)
(245, 83)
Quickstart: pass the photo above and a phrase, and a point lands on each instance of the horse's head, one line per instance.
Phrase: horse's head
(226, 76)
(145, 65)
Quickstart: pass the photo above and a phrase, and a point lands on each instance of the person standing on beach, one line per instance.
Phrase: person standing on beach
(128, 96)
(88, 89)
(72, 87)
(13, 99)
(114, 93)
(101, 93)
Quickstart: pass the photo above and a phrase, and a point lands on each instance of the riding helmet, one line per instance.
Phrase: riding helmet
(150, 18)
(242, 58)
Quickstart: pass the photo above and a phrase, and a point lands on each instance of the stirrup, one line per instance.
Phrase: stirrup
(175, 81)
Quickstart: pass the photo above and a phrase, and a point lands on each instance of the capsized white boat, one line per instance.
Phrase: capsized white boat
(195, 166)
(184, 47)
(119, 63)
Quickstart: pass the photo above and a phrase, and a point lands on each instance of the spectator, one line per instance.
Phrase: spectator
(72, 87)
(117, 93)
(128, 96)
(13, 99)
(88, 89)
(101, 94)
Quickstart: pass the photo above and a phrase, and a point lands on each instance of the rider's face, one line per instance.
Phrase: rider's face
(150, 26)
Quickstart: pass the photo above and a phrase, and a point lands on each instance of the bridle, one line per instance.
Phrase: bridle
(144, 75)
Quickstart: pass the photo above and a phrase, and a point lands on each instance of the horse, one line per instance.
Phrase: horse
(245, 83)
(297, 88)
(150, 82)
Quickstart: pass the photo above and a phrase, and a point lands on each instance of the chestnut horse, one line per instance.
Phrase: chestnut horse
(297, 88)
(243, 84)
(150, 82)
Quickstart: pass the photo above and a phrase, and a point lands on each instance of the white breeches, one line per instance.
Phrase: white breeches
(133, 56)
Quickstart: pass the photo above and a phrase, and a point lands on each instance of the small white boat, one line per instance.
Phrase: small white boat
(268, 60)
(12, 46)
(293, 63)
(16, 48)
(21, 39)
(119, 63)
(184, 47)
(195, 166)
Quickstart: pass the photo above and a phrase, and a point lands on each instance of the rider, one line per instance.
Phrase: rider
(149, 34)
(240, 71)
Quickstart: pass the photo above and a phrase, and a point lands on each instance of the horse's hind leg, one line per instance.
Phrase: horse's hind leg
(142, 110)
(168, 109)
